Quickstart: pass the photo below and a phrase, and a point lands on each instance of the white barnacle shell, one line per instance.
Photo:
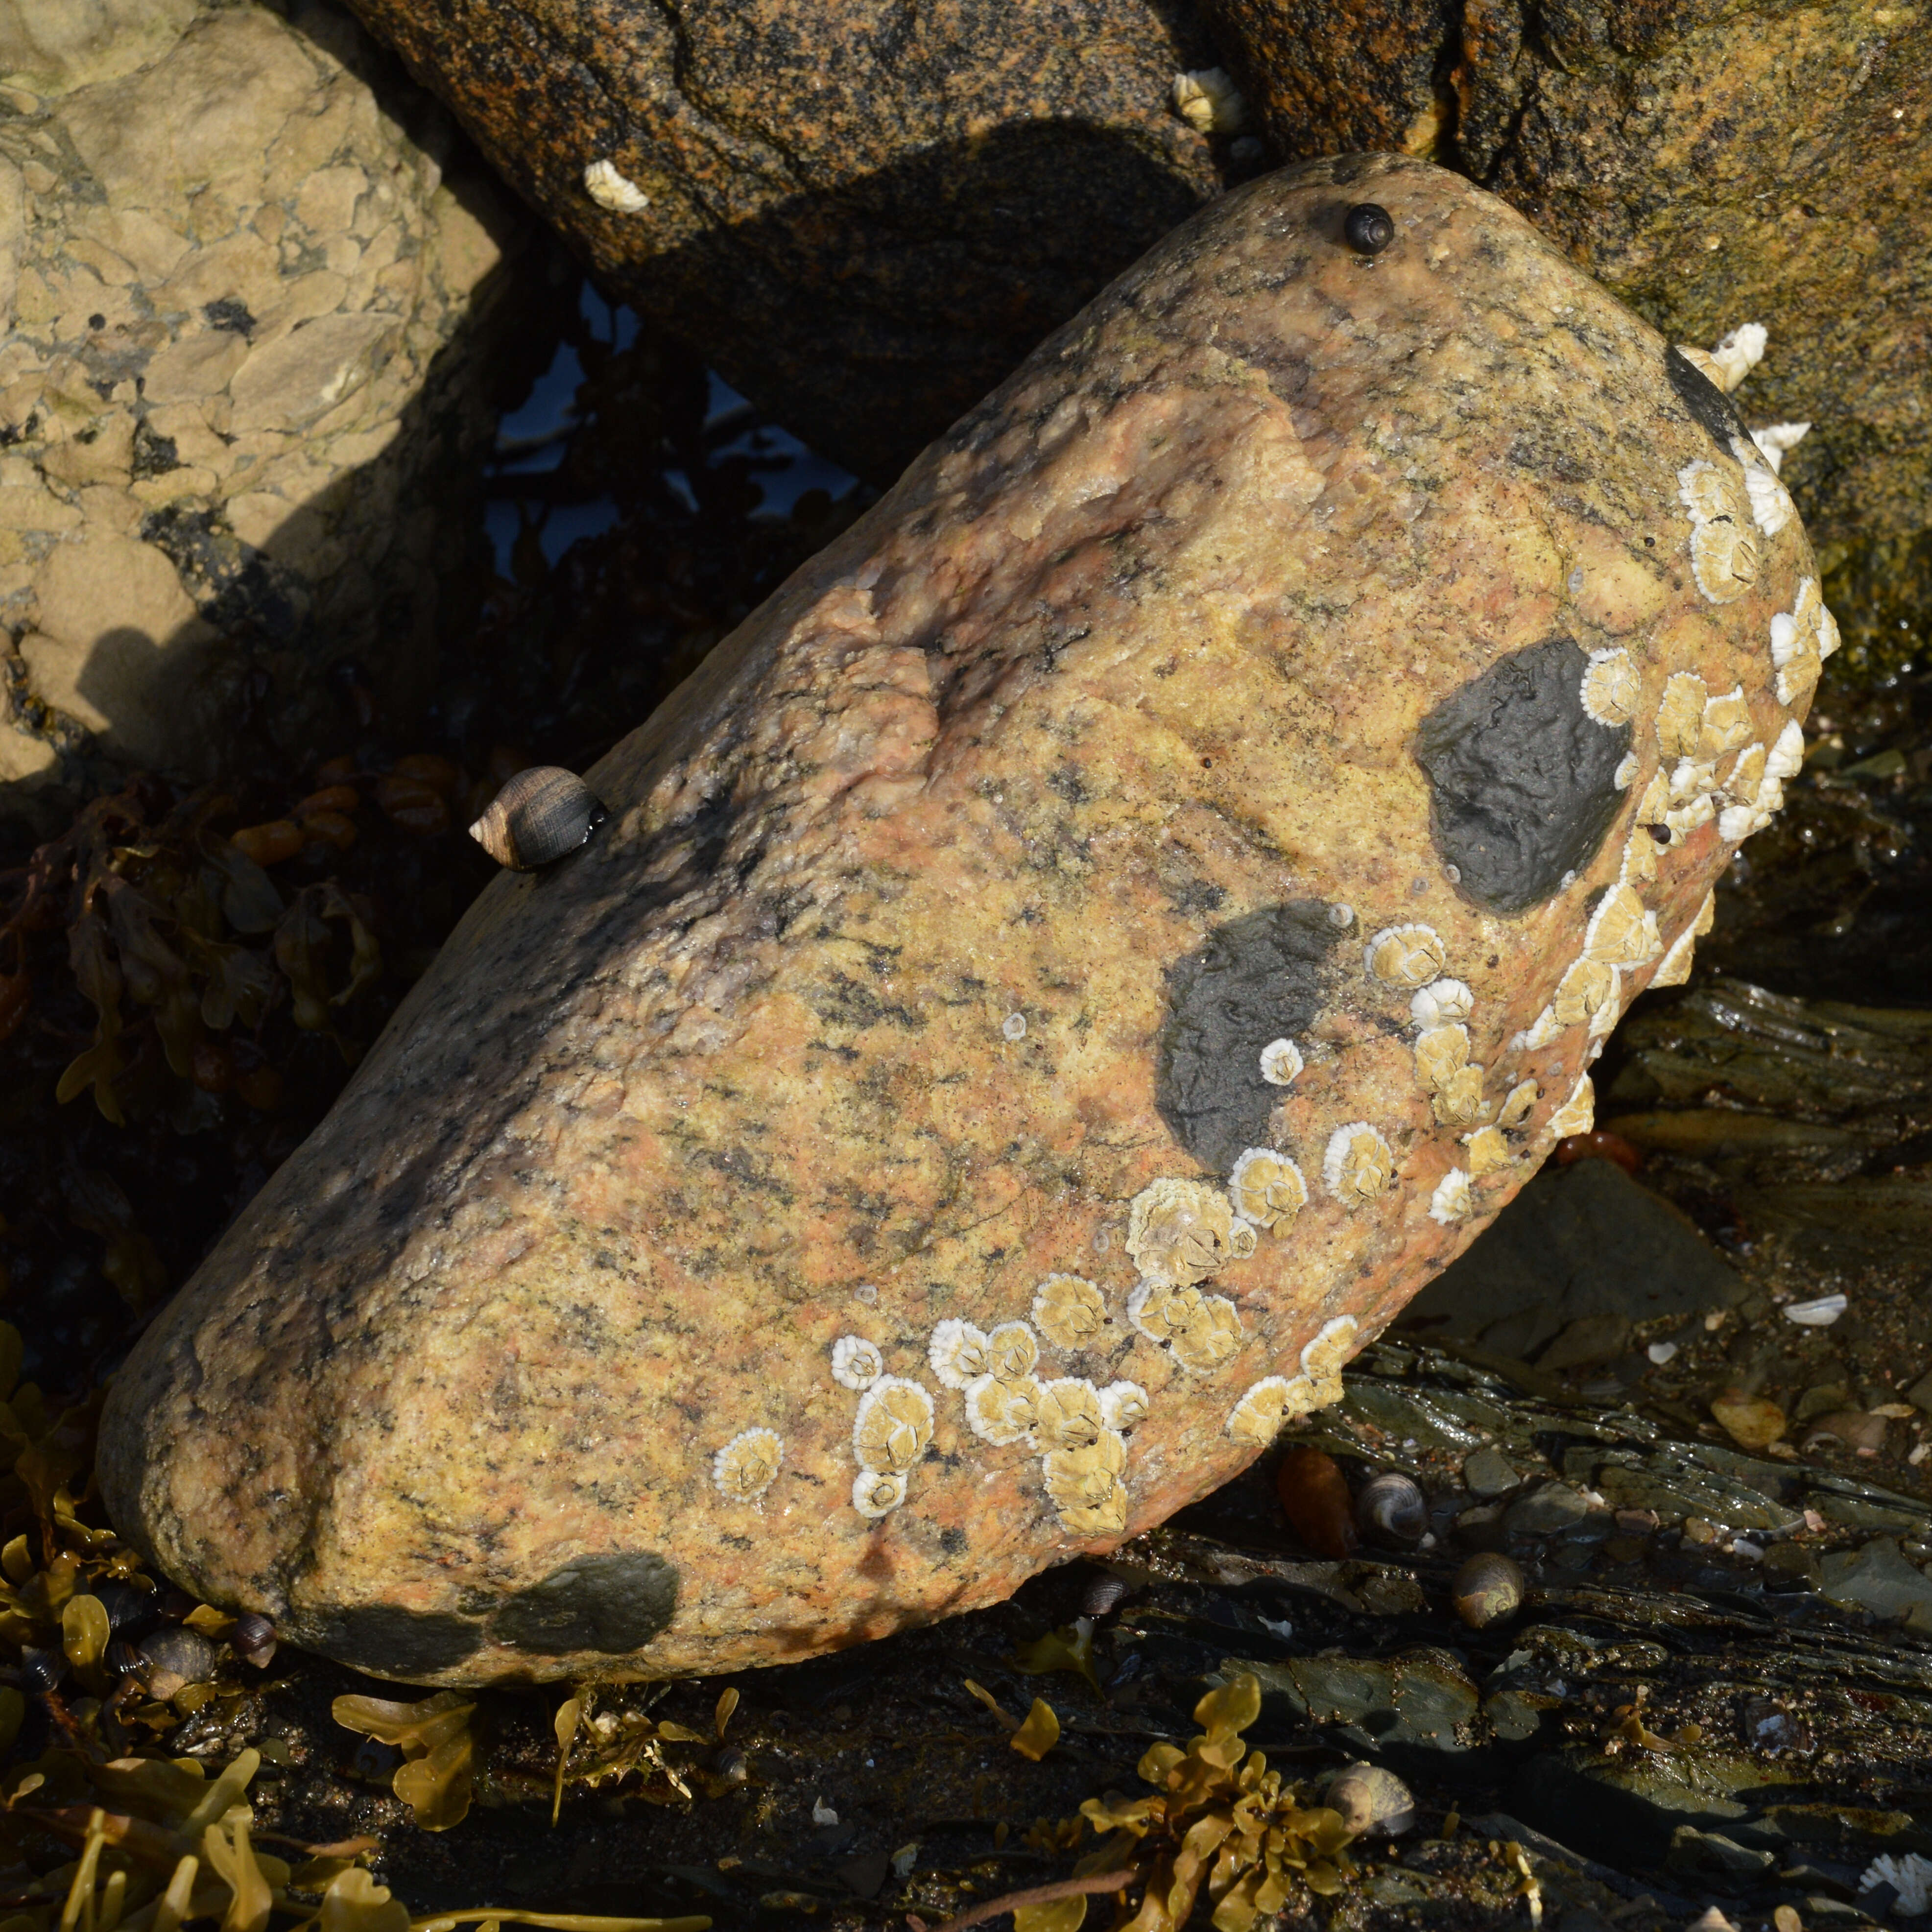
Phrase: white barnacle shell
(1357, 1164)
(1541, 1032)
(1725, 725)
(1488, 1151)
(1208, 101)
(1656, 800)
(877, 1492)
(1578, 1113)
(1707, 915)
(609, 189)
(1000, 1412)
(1458, 1102)
(1209, 1337)
(1735, 823)
(1622, 931)
(1441, 1002)
(1012, 1351)
(1794, 643)
(1087, 1476)
(1404, 955)
(957, 1353)
(1690, 778)
(1586, 987)
(1453, 1198)
(1705, 491)
(1787, 755)
(1745, 780)
(1674, 968)
(1067, 1415)
(1159, 1311)
(1770, 505)
(1723, 541)
(1517, 1103)
(1180, 1231)
(1266, 1188)
(1680, 715)
(1257, 1418)
(1440, 1051)
(1775, 440)
(1611, 688)
(1281, 1061)
(1638, 865)
(1068, 1311)
(1828, 640)
(1625, 776)
(745, 1467)
(1603, 1021)
(893, 1426)
(857, 1363)
(1123, 1404)
(1322, 1357)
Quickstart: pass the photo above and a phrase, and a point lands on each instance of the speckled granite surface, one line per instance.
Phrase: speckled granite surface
(1057, 981)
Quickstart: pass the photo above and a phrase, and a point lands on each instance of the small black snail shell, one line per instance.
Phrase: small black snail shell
(540, 815)
(40, 1670)
(253, 1636)
(1391, 1510)
(1487, 1588)
(1367, 228)
(1104, 1594)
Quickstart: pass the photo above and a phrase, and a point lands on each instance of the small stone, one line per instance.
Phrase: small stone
(1920, 1393)
(1546, 1510)
(1587, 1341)
(1752, 1422)
(1486, 1472)
(1876, 1578)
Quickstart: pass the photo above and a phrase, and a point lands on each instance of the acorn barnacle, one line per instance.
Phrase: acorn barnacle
(1625, 776)
(1159, 1312)
(1517, 1102)
(1266, 1188)
(1458, 1102)
(1794, 643)
(1209, 1337)
(1180, 1232)
(1067, 1415)
(1123, 1406)
(1742, 778)
(610, 189)
(893, 1426)
(857, 1363)
(1357, 1164)
(747, 1465)
(1000, 1412)
(1674, 968)
(1786, 756)
(958, 1353)
(1770, 505)
(1439, 1051)
(1726, 725)
(1441, 1003)
(540, 816)
(1622, 931)
(1281, 1061)
(1541, 1032)
(1723, 541)
(1578, 1113)
(1257, 1418)
(1489, 1152)
(1453, 1198)
(1611, 688)
(1068, 1311)
(1680, 715)
(1583, 992)
(1322, 1359)
(877, 1492)
(1404, 955)
(1087, 1481)
(1012, 1351)
(1692, 779)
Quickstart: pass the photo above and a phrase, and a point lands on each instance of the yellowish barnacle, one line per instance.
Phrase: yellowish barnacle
(1067, 1415)
(1406, 956)
(1086, 1477)
(1723, 541)
(1159, 1312)
(1611, 688)
(1123, 1406)
(1680, 715)
(1829, 639)
(1586, 987)
(1281, 1061)
(1674, 968)
(857, 1363)
(1266, 1188)
(1209, 101)
(1106, 1518)
(1578, 1113)
(747, 1465)
(1625, 776)
(958, 1353)
(1787, 758)
(1656, 800)
(1242, 1239)
(1680, 820)
(1517, 1103)
(1488, 1151)
(1692, 778)
(1321, 1358)
(1357, 1164)
(1770, 505)
(1639, 867)
(1068, 1311)
(1704, 490)
(1210, 1338)
(1707, 915)
(877, 1492)
(1741, 778)
(894, 1424)
(1258, 1417)
(1012, 1351)
(1000, 1412)
(610, 188)
(1458, 1102)
(1622, 931)
(1725, 725)
(1541, 1032)
(1439, 1052)
(1453, 1198)
(1441, 1003)
(1180, 1231)
(1794, 640)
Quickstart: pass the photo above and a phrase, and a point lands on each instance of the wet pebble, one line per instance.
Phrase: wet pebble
(1751, 1421)
(1315, 1496)
(1856, 1430)
(1485, 1472)
(1487, 1588)
(1546, 1510)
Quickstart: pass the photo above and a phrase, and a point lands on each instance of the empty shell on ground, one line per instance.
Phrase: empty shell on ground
(1302, 647)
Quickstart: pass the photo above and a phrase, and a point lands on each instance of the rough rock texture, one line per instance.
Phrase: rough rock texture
(873, 1167)
(238, 378)
(867, 223)
(1713, 163)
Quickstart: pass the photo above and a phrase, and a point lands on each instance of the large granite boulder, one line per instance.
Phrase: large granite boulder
(246, 319)
(1059, 979)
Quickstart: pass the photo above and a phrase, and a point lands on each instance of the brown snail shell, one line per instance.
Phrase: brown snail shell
(1391, 1510)
(1370, 1799)
(541, 815)
(175, 1657)
(1487, 1588)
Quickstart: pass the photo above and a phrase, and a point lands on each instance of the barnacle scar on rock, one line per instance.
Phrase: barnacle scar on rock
(1611, 688)
(1440, 1003)
(1067, 1415)
(1357, 1164)
(857, 1363)
(877, 1492)
(1012, 1351)
(1208, 101)
(1453, 1198)
(1068, 1311)
(1517, 1103)
(541, 815)
(1281, 1061)
(1266, 1188)
(609, 189)
(745, 1467)
(1000, 1412)
(1257, 1418)
(1622, 931)
(1209, 1337)
(958, 1353)
(1578, 1113)
(1404, 955)
(1180, 1232)
(1123, 1404)
(1489, 1152)
(893, 1426)
(1322, 1357)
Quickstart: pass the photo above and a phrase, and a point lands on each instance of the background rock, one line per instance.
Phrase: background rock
(249, 319)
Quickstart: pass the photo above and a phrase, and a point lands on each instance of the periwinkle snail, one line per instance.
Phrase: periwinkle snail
(1367, 228)
(1486, 1589)
(253, 1638)
(1391, 1510)
(540, 816)
(1370, 1799)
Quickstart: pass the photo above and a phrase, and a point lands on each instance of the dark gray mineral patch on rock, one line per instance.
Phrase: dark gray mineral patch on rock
(396, 1643)
(1261, 977)
(1522, 778)
(1713, 410)
(609, 1603)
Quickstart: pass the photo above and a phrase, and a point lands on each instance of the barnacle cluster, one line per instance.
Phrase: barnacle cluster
(1454, 1085)
(1723, 538)
(1179, 1232)
(1404, 955)
(1802, 639)
(1440, 1002)
(893, 1426)
(1257, 1417)
(1202, 1330)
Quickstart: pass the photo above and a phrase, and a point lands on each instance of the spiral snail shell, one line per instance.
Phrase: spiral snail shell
(539, 817)
(1391, 1510)
(1370, 1799)
(1486, 1589)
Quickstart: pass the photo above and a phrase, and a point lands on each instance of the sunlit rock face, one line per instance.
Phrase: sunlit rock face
(1060, 978)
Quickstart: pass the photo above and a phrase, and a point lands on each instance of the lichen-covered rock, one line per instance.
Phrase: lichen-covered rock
(1056, 982)
(239, 377)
